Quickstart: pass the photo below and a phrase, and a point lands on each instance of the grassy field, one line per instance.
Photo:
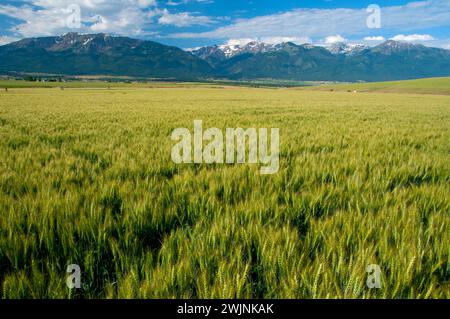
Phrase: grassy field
(98, 84)
(93, 84)
(86, 178)
(422, 86)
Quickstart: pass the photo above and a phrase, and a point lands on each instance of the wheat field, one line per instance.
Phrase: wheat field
(86, 178)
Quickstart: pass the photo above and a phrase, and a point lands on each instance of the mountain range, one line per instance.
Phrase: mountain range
(102, 54)
(390, 60)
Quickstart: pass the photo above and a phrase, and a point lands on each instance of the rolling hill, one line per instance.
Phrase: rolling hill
(420, 86)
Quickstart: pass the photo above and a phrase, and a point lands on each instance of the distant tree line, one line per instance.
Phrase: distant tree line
(30, 78)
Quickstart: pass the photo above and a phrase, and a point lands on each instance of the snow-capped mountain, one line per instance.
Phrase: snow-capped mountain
(251, 47)
(392, 46)
(88, 54)
(94, 54)
(227, 51)
(390, 60)
(346, 48)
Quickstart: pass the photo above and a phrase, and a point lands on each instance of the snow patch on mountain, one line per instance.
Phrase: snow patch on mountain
(232, 49)
(345, 48)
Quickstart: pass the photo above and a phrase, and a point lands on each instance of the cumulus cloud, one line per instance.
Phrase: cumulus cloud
(124, 17)
(319, 22)
(50, 17)
(276, 40)
(146, 3)
(183, 19)
(375, 38)
(413, 37)
(240, 41)
(177, 3)
(6, 39)
(334, 39)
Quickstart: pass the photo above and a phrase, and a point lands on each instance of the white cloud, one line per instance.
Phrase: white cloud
(124, 17)
(183, 19)
(319, 22)
(240, 41)
(174, 3)
(6, 39)
(49, 17)
(192, 49)
(413, 37)
(447, 46)
(334, 39)
(375, 38)
(146, 3)
(276, 40)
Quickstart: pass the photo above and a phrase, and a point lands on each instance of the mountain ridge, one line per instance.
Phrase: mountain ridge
(93, 54)
(390, 60)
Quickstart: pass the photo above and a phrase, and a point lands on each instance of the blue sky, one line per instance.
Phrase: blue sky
(194, 23)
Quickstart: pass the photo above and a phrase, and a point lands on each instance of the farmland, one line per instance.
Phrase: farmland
(422, 86)
(86, 178)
